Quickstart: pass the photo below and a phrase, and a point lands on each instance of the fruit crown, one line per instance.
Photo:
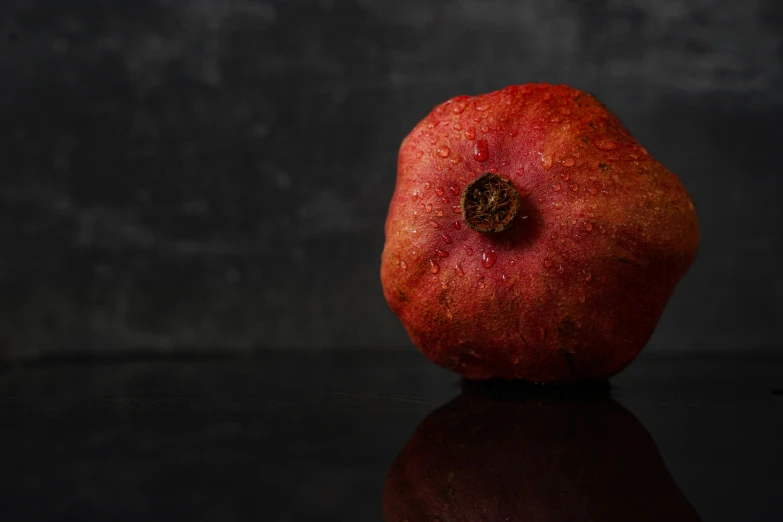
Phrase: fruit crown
(489, 203)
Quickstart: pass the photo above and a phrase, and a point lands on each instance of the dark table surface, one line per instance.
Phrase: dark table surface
(303, 436)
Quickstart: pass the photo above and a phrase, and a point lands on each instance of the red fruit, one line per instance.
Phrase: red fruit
(557, 258)
(532, 459)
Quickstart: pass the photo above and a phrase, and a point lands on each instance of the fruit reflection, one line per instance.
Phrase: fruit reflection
(509, 453)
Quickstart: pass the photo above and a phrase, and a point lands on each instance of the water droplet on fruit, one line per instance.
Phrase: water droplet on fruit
(521, 171)
(568, 162)
(547, 263)
(434, 224)
(485, 128)
(593, 191)
(605, 144)
(588, 276)
(469, 251)
(565, 176)
(460, 271)
(481, 150)
(445, 201)
(447, 238)
(428, 207)
(443, 151)
(458, 126)
(439, 212)
(439, 191)
(470, 134)
(403, 265)
(560, 269)
(457, 225)
(589, 227)
(556, 187)
(456, 209)
(488, 259)
(481, 284)
(427, 184)
(458, 108)
(574, 187)
(441, 253)
(434, 266)
(546, 162)
(558, 204)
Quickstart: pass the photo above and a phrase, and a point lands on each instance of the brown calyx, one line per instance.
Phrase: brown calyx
(489, 203)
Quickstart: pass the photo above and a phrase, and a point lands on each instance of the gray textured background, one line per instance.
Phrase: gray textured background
(214, 174)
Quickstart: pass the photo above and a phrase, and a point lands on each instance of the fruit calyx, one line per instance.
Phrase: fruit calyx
(489, 203)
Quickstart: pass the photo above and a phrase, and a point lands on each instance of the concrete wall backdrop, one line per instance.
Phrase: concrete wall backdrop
(214, 174)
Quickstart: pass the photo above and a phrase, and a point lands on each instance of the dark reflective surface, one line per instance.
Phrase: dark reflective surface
(335, 436)
(532, 454)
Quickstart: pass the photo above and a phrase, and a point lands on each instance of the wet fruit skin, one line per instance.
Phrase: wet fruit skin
(574, 288)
